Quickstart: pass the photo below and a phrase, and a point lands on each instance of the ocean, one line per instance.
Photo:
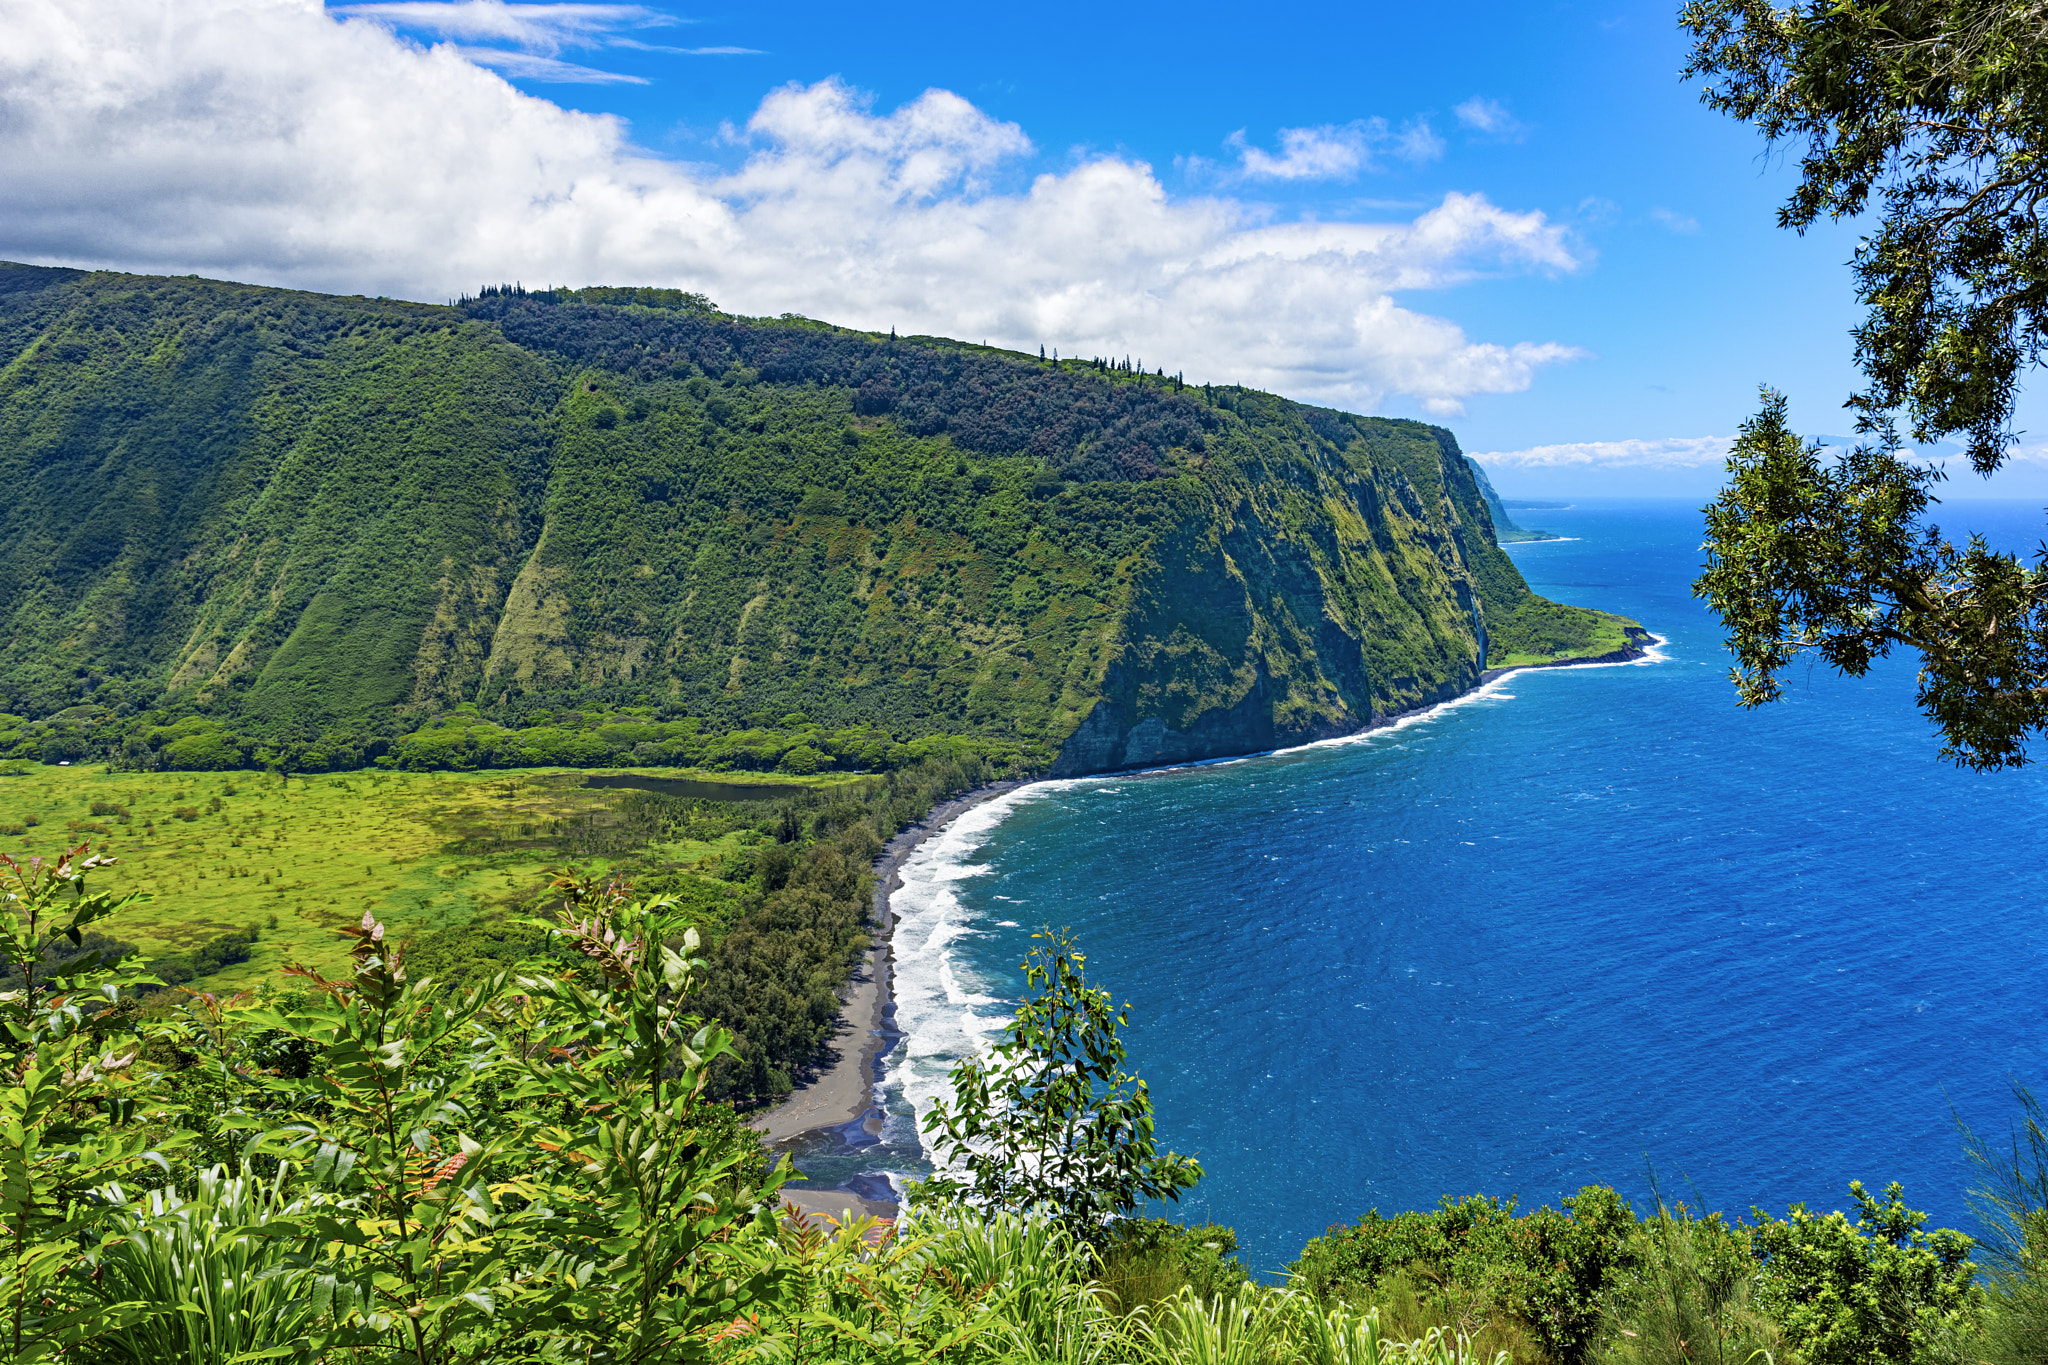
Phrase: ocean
(1585, 926)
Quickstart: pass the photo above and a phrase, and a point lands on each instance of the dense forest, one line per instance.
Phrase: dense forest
(259, 528)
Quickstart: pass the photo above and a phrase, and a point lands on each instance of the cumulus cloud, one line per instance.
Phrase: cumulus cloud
(1489, 118)
(267, 140)
(1665, 452)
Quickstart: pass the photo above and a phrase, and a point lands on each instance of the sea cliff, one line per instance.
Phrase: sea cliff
(264, 527)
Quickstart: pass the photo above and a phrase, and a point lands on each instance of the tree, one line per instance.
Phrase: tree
(1832, 559)
(1935, 112)
(1050, 1121)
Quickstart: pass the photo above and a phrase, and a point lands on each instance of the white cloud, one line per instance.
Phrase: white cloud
(1677, 222)
(536, 33)
(684, 51)
(265, 140)
(529, 66)
(1666, 452)
(1333, 151)
(1490, 118)
(536, 28)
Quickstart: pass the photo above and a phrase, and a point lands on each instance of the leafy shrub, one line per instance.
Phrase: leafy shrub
(1877, 1290)
(1547, 1269)
(1149, 1260)
(803, 760)
(1047, 1122)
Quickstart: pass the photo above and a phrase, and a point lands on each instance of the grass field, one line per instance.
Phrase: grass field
(1591, 635)
(298, 859)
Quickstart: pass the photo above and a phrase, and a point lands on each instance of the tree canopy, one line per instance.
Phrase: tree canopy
(1935, 111)
(1933, 115)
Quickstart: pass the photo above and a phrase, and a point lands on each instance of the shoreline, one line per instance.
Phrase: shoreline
(840, 1097)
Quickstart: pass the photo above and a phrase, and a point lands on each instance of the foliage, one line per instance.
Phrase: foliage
(1541, 631)
(1689, 1300)
(1267, 1328)
(1879, 1289)
(643, 1209)
(71, 1112)
(1807, 558)
(2010, 1200)
(530, 1170)
(220, 951)
(1936, 110)
(1547, 1270)
(425, 1235)
(1049, 1121)
(1148, 1260)
(581, 528)
(240, 1292)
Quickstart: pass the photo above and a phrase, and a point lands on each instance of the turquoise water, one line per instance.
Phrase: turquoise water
(1582, 925)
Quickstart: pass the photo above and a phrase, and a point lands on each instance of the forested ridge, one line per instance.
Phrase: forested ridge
(257, 527)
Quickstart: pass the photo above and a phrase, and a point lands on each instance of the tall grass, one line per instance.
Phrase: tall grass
(1050, 1308)
(1420, 1301)
(234, 1291)
(1262, 1326)
(1689, 1300)
(2010, 1199)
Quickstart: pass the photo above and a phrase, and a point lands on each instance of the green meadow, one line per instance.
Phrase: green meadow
(297, 859)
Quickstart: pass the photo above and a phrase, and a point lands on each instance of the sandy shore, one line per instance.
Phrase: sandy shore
(842, 1092)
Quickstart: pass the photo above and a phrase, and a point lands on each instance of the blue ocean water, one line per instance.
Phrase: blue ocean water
(1584, 925)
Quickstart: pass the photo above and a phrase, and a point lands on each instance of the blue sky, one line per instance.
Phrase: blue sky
(1583, 261)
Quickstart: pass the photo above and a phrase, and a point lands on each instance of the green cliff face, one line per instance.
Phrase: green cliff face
(309, 520)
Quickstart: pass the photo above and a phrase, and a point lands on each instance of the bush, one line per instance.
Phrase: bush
(1547, 1270)
(1148, 1260)
(803, 760)
(59, 956)
(1877, 1290)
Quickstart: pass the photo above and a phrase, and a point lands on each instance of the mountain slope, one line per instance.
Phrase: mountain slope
(251, 524)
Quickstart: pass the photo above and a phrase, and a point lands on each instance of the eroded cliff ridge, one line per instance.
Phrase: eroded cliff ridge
(322, 521)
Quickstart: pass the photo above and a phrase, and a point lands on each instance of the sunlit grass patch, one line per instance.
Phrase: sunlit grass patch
(299, 859)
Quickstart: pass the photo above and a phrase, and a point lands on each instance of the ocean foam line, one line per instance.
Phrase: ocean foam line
(946, 1012)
